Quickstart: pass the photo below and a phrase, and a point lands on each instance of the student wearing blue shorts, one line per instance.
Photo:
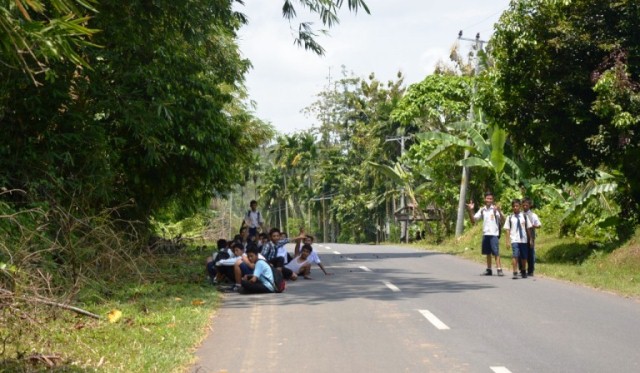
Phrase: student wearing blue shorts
(518, 228)
(527, 204)
(491, 217)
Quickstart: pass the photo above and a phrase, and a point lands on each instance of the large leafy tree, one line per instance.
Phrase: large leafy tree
(567, 81)
(36, 33)
(157, 119)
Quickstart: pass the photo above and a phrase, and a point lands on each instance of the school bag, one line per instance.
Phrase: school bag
(278, 282)
(222, 254)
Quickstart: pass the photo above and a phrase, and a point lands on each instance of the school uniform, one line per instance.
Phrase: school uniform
(517, 225)
(535, 223)
(490, 229)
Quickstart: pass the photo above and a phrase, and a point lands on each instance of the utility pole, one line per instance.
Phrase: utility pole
(403, 224)
(464, 182)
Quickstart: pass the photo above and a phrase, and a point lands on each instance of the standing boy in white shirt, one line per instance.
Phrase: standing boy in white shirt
(491, 217)
(527, 203)
(518, 229)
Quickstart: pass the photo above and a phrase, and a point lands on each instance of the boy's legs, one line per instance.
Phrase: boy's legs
(531, 260)
(524, 254)
(227, 272)
(305, 271)
(254, 287)
(489, 247)
(211, 270)
(515, 256)
(240, 269)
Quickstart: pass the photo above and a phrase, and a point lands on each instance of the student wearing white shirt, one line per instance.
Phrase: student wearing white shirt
(491, 217)
(253, 219)
(314, 258)
(518, 229)
(527, 203)
(300, 265)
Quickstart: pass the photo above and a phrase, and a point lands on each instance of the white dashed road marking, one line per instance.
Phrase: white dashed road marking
(391, 286)
(327, 247)
(336, 252)
(434, 320)
(500, 370)
(349, 258)
(365, 269)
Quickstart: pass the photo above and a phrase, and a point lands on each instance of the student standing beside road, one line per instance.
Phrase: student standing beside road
(527, 203)
(253, 219)
(518, 232)
(491, 217)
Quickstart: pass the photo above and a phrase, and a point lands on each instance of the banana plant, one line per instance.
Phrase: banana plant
(485, 145)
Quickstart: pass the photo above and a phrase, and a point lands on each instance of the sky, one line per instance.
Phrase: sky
(410, 36)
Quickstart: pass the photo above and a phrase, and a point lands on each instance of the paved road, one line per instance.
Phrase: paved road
(389, 309)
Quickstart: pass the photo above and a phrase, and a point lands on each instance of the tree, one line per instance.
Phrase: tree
(567, 88)
(35, 33)
(326, 10)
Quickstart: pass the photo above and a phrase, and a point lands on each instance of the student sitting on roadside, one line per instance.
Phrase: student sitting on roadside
(263, 238)
(274, 250)
(261, 281)
(314, 258)
(225, 267)
(243, 266)
(300, 265)
(211, 265)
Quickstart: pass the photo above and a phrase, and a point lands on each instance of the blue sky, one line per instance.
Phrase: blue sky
(401, 35)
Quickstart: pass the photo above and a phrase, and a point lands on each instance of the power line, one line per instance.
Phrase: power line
(486, 18)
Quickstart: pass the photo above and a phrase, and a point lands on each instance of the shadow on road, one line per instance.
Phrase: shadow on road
(351, 281)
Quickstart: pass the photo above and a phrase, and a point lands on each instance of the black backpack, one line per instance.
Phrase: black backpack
(222, 254)
(278, 280)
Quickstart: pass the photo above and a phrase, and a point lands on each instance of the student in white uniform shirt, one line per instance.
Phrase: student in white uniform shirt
(314, 258)
(491, 217)
(518, 229)
(300, 265)
(527, 203)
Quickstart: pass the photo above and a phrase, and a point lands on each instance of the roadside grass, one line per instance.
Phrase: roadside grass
(614, 267)
(165, 310)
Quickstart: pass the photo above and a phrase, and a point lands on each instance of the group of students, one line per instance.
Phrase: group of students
(520, 227)
(248, 260)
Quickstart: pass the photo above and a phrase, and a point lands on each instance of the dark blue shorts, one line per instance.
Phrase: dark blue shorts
(490, 245)
(519, 250)
(244, 268)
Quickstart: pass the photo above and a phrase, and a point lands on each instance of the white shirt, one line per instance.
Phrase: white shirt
(314, 258)
(511, 225)
(253, 218)
(295, 265)
(490, 227)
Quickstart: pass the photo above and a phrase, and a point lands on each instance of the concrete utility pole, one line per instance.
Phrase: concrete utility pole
(403, 224)
(464, 182)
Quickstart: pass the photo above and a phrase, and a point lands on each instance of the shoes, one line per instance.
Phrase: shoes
(500, 272)
(524, 274)
(488, 272)
(515, 275)
(236, 288)
(530, 274)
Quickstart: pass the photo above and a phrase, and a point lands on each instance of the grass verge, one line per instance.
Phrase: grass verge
(162, 318)
(614, 268)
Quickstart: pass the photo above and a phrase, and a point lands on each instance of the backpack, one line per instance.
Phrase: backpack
(278, 282)
(222, 254)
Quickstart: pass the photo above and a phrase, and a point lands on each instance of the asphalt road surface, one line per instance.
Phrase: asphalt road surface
(390, 309)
